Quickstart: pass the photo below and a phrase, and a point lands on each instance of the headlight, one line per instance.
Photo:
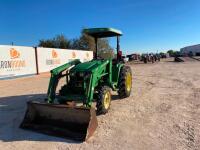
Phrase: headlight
(81, 74)
(84, 74)
(72, 74)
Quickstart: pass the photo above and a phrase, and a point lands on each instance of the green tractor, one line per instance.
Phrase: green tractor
(61, 114)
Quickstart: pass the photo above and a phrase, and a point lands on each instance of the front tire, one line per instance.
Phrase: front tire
(103, 100)
(125, 82)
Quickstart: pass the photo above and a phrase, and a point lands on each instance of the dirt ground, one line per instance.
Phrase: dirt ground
(163, 112)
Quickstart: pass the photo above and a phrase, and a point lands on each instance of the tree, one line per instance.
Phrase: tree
(172, 53)
(60, 41)
(84, 42)
(161, 53)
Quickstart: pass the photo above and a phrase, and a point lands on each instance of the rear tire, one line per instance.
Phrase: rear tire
(103, 100)
(125, 82)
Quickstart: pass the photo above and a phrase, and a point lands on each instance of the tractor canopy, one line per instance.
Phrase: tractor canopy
(102, 32)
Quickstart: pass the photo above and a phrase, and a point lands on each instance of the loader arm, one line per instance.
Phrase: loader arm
(56, 74)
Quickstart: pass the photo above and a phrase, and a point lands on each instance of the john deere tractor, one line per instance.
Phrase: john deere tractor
(61, 114)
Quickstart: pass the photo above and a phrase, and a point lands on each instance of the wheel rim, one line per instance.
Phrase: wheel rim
(106, 101)
(128, 82)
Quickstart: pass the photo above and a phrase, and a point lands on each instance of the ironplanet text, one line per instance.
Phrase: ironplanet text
(52, 61)
(12, 64)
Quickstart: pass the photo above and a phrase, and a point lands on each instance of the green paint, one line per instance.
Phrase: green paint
(84, 79)
(102, 32)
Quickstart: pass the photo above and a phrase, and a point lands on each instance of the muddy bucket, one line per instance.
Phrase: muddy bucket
(76, 123)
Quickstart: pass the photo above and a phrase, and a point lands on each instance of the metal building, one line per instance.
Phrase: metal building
(194, 50)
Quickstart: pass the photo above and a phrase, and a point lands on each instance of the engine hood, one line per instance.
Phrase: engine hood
(88, 66)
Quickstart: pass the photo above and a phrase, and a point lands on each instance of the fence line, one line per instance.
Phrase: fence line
(16, 61)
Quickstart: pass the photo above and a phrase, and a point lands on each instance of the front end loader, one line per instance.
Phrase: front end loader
(71, 112)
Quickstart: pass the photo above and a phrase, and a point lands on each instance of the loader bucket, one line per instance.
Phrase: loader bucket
(76, 123)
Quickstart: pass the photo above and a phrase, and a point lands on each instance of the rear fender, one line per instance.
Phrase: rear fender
(115, 74)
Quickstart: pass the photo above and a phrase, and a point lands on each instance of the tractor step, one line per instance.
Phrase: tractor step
(71, 122)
